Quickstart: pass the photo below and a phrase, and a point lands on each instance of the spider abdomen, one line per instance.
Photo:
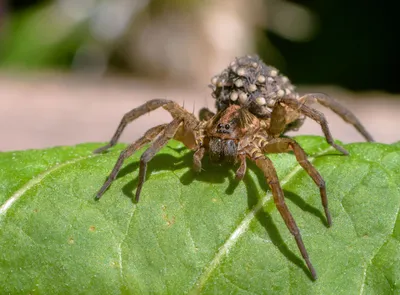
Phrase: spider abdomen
(249, 82)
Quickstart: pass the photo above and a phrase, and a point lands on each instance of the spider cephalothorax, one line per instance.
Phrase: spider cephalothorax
(251, 117)
(225, 133)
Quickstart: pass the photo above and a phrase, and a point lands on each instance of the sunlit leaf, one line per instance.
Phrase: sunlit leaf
(204, 233)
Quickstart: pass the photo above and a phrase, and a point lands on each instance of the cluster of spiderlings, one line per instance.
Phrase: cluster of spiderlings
(249, 82)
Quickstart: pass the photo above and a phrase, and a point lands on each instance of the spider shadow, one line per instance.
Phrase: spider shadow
(160, 162)
(220, 174)
(294, 198)
(166, 162)
(265, 219)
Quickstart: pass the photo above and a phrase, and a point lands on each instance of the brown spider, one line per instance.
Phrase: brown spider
(255, 106)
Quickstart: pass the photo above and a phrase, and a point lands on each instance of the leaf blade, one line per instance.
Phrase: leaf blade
(57, 233)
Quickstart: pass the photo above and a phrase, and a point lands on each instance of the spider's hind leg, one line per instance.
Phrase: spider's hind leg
(339, 109)
(314, 115)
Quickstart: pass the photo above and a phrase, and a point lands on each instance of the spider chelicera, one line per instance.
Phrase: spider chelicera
(255, 105)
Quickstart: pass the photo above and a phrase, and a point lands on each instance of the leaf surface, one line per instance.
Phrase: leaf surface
(197, 233)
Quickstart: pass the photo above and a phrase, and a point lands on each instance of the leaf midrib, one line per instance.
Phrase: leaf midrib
(243, 226)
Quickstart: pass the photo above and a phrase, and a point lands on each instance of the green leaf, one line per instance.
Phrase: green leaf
(204, 233)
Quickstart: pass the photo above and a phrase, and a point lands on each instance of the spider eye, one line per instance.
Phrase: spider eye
(227, 126)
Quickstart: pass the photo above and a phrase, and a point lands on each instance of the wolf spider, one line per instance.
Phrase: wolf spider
(251, 117)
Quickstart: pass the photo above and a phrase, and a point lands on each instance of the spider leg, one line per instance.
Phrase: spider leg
(159, 142)
(313, 114)
(339, 109)
(283, 145)
(278, 120)
(146, 138)
(172, 107)
(197, 157)
(242, 168)
(267, 167)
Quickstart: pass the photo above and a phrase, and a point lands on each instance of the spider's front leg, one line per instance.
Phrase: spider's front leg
(160, 135)
(158, 143)
(181, 128)
(267, 167)
(172, 107)
(242, 168)
(146, 138)
(284, 145)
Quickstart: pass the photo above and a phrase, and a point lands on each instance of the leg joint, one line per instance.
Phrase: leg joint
(321, 183)
(145, 157)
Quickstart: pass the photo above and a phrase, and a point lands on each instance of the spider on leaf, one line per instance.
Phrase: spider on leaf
(255, 106)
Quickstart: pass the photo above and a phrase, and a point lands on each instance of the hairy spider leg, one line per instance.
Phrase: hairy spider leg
(197, 157)
(146, 138)
(242, 168)
(311, 113)
(159, 136)
(160, 141)
(278, 120)
(339, 109)
(172, 107)
(267, 167)
(284, 145)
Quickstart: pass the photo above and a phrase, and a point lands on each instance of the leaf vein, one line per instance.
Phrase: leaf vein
(119, 247)
(35, 181)
(243, 227)
(369, 262)
(229, 281)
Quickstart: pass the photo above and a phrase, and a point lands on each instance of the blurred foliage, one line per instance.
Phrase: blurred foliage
(353, 44)
(38, 38)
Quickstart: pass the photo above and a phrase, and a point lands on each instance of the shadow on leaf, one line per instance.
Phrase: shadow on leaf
(166, 162)
(265, 218)
(219, 174)
(161, 162)
(212, 173)
(296, 199)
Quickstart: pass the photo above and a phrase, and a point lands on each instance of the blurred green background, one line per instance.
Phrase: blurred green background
(347, 43)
